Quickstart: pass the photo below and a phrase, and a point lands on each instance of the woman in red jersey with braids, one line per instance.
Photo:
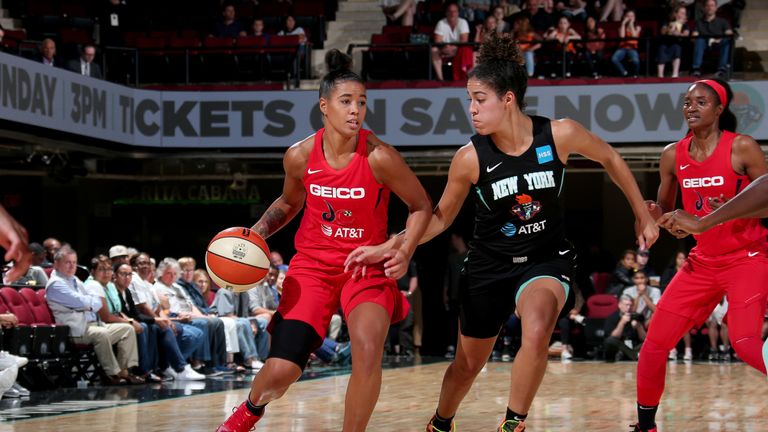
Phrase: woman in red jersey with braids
(342, 176)
(711, 164)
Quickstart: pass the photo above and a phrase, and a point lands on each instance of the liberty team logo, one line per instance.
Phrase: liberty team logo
(526, 207)
(748, 106)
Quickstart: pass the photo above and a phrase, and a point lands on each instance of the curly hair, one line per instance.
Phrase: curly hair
(501, 66)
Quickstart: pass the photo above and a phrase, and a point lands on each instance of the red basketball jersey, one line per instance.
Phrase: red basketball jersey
(710, 178)
(344, 208)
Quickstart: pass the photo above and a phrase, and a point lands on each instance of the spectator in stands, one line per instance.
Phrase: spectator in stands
(225, 306)
(502, 26)
(670, 271)
(276, 258)
(666, 277)
(35, 275)
(712, 32)
(74, 307)
(622, 275)
(564, 34)
(573, 9)
(624, 332)
(257, 29)
(541, 13)
(508, 8)
(114, 19)
(291, 29)
(203, 281)
(188, 338)
(476, 10)
(397, 9)
(229, 26)
(488, 26)
(119, 254)
(38, 255)
(174, 299)
(644, 297)
(187, 281)
(593, 49)
(629, 31)
(264, 298)
(670, 48)
(166, 339)
(48, 53)
(452, 287)
(527, 38)
(612, 9)
(51, 246)
(641, 258)
(110, 313)
(448, 30)
(566, 323)
(717, 328)
(85, 65)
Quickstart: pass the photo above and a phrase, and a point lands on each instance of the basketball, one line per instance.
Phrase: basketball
(237, 258)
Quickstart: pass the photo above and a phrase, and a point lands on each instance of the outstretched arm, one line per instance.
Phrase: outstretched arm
(15, 241)
(287, 205)
(462, 173)
(571, 137)
(391, 170)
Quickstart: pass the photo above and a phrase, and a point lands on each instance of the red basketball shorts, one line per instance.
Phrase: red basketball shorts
(703, 281)
(313, 292)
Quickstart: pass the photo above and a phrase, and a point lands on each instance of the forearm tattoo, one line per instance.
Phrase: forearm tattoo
(273, 219)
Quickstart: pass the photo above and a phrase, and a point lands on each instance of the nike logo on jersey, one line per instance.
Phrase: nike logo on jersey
(682, 167)
(751, 254)
(564, 252)
(311, 171)
(491, 168)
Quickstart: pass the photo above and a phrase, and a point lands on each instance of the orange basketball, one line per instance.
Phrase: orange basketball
(237, 258)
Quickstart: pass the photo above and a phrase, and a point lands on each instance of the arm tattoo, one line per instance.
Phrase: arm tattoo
(272, 220)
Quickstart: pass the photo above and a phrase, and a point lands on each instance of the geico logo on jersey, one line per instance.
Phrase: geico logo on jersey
(354, 233)
(333, 192)
(703, 182)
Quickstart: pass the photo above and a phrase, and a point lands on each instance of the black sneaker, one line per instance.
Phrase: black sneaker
(696, 73)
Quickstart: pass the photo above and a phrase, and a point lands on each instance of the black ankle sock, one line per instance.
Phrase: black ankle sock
(442, 423)
(646, 416)
(258, 411)
(511, 415)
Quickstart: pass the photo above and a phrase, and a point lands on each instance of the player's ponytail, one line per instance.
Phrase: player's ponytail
(339, 70)
(501, 66)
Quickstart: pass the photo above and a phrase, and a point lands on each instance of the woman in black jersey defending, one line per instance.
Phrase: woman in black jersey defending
(519, 260)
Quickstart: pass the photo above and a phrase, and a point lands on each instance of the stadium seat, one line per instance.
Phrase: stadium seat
(600, 281)
(16, 340)
(57, 345)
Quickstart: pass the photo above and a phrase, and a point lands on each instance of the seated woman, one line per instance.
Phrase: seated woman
(565, 35)
(670, 48)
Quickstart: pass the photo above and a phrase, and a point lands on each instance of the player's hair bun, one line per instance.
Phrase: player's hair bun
(337, 61)
(500, 48)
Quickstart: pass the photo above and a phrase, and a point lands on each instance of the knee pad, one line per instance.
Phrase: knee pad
(293, 340)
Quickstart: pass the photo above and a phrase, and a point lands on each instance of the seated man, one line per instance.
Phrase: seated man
(712, 32)
(188, 338)
(74, 307)
(624, 332)
(175, 302)
(450, 29)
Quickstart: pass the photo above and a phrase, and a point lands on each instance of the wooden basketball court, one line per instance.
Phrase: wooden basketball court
(580, 396)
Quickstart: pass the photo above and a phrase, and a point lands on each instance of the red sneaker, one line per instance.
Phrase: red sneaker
(241, 420)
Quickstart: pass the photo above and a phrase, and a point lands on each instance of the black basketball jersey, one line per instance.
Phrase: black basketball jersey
(518, 210)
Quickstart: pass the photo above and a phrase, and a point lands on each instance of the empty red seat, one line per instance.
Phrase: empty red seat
(602, 306)
(37, 304)
(18, 306)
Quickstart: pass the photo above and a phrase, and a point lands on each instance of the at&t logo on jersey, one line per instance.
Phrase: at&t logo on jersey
(509, 229)
(691, 183)
(526, 207)
(341, 232)
(334, 192)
